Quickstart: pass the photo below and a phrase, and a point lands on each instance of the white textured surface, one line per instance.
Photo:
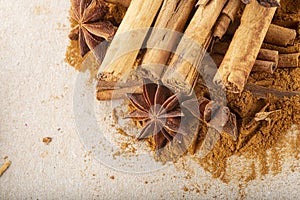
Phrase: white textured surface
(37, 99)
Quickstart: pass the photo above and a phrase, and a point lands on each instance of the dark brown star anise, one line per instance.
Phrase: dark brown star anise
(214, 114)
(160, 110)
(163, 114)
(90, 30)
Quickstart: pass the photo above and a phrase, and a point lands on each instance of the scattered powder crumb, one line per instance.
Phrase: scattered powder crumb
(44, 154)
(185, 189)
(114, 116)
(47, 140)
(122, 132)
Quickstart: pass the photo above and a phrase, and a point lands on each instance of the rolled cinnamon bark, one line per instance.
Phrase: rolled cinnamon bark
(124, 48)
(227, 16)
(171, 20)
(269, 55)
(182, 73)
(120, 93)
(289, 60)
(284, 50)
(244, 47)
(276, 35)
(104, 85)
(280, 36)
(263, 54)
(268, 66)
(264, 66)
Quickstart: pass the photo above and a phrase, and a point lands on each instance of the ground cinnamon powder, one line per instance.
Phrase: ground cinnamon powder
(262, 149)
(265, 148)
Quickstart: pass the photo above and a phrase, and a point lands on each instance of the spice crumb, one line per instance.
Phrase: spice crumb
(185, 189)
(146, 182)
(47, 140)
(112, 177)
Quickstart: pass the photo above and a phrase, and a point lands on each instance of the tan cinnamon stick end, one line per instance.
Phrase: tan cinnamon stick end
(228, 15)
(269, 55)
(151, 71)
(280, 36)
(264, 66)
(177, 83)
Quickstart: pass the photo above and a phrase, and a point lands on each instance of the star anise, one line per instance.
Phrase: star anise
(165, 114)
(214, 114)
(160, 110)
(90, 30)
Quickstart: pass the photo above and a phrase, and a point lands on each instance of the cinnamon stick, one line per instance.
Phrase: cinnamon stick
(268, 66)
(227, 16)
(120, 93)
(290, 49)
(269, 55)
(182, 73)
(263, 54)
(264, 66)
(122, 53)
(280, 36)
(289, 60)
(244, 47)
(276, 35)
(163, 40)
(104, 85)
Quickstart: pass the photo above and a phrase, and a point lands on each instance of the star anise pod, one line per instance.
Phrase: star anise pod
(90, 30)
(214, 114)
(160, 110)
(165, 114)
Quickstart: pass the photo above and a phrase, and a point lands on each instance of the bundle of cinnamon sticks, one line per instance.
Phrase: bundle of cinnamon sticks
(239, 41)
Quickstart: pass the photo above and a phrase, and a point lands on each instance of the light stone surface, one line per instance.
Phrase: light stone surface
(37, 89)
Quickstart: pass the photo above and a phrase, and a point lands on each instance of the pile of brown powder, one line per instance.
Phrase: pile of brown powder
(262, 149)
